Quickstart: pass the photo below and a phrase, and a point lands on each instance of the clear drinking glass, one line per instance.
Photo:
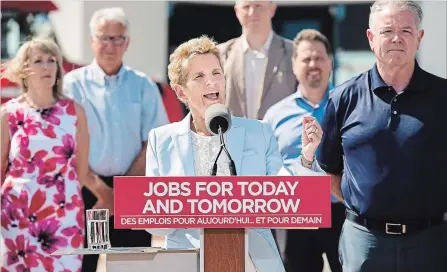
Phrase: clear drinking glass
(98, 229)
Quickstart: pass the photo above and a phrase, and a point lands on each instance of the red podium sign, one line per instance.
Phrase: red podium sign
(222, 202)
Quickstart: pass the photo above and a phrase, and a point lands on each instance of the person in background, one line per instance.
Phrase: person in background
(384, 147)
(196, 75)
(312, 66)
(122, 105)
(258, 63)
(44, 151)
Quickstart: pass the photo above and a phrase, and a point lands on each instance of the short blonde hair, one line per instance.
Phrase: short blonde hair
(16, 70)
(177, 68)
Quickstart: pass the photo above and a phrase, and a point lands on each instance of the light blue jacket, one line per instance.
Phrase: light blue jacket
(254, 151)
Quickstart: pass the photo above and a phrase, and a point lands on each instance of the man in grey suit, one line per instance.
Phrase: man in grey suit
(258, 64)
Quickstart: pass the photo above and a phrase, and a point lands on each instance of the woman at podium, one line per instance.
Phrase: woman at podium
(187, 148)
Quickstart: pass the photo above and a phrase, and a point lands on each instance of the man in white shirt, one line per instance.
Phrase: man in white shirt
(258, 64)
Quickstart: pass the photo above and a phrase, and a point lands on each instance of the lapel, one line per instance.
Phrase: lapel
(183, 146)
(276, 54)
(234, 65)
(235, 144)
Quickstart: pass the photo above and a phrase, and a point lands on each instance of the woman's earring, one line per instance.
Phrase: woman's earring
(25, 84)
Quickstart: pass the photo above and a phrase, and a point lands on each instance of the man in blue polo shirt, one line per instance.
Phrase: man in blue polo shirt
(385, 146)
(312, 65)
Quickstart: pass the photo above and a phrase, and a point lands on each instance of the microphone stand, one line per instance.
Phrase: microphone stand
(217, 239)
(224, 148)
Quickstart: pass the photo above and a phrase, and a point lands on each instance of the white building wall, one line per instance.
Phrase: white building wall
(148, 47)
(70, 35)
(433, 50)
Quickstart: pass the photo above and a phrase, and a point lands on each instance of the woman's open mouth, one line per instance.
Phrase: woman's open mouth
(212, 95)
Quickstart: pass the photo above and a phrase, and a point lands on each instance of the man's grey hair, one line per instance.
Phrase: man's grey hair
(412, 6)
(108, 15)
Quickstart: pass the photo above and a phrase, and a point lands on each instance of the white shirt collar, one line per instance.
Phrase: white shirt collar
(265, 48)
(100, 76)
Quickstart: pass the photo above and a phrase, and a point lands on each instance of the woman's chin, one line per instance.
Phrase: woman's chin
(209, 102)
(46, 84)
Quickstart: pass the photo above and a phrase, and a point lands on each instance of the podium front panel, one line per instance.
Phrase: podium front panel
(142, 259)
(170, 261)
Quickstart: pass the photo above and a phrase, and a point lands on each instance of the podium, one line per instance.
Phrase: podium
(225, 250)
(224, 209)
(141, 259)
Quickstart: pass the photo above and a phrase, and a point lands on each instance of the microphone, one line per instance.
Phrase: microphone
(217, 115)
(218, 122)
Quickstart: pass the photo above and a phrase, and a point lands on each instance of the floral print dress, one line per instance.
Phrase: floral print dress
(41, 201)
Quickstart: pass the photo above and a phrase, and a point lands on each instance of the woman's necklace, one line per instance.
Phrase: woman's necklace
(194, 128)
(33, 105)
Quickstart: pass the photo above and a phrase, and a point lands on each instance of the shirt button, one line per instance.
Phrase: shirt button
(394, 112)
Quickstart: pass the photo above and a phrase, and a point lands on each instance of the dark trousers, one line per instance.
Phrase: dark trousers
(118, 237)
(363, 250)
(304, 248)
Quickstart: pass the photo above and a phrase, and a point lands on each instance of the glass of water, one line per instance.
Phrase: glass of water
(98, 229)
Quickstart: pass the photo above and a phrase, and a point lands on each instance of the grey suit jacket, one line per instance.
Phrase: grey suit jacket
(279, 80)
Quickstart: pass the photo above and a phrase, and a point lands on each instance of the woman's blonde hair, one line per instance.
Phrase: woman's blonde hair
(178, 66)
(16, 70)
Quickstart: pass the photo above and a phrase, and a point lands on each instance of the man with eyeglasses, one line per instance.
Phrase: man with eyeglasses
(122, 105)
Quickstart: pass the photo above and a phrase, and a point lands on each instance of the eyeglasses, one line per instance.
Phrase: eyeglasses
(115, 40)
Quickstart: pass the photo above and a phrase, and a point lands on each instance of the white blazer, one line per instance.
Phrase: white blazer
(254, 151)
